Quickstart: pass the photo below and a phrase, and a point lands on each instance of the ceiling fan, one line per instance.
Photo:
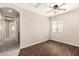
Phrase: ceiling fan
(56, 7)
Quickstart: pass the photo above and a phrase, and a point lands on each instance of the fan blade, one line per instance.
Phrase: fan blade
(49, 11)
(37, 5)
(62, 4)
(62, 9)
(50, 6)
(53, 3)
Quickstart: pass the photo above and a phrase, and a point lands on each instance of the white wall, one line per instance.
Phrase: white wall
(34, 28)
(71, 29)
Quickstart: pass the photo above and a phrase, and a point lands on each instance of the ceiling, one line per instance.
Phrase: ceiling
(42, 8)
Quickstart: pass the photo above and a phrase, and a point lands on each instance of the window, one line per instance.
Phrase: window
(54, 26)
(57, 26)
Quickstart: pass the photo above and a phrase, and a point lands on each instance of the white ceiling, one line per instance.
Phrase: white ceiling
(43, 7)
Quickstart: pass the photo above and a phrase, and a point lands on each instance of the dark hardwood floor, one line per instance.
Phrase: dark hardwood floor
(50, 48)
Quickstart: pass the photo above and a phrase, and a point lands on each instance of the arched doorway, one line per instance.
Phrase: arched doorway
(9, 27)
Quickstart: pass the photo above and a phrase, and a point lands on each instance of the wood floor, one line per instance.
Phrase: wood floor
(50, 48)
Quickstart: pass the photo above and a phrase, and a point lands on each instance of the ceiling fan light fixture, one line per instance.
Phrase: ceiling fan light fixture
(56, 7)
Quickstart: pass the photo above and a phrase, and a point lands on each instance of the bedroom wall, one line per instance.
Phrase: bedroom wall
(70, 35)
(34, 28)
